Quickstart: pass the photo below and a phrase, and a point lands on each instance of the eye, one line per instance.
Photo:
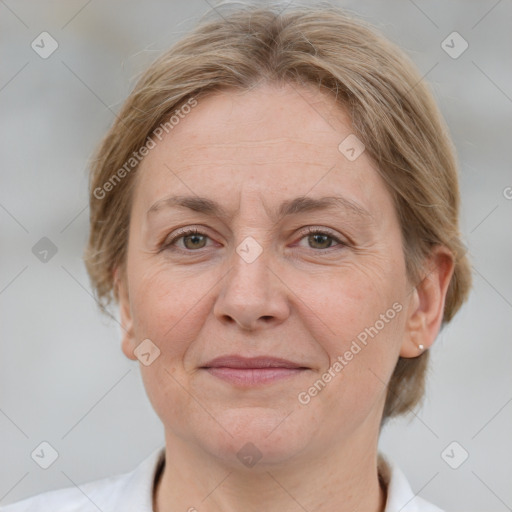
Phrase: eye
(192, 239)
(323, 239)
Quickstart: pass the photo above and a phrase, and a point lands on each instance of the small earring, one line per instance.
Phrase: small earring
(421, 347)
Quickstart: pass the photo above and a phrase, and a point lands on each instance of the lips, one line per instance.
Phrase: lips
(234, 361)
(252, 371)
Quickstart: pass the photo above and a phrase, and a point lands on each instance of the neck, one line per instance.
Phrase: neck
(342, 480)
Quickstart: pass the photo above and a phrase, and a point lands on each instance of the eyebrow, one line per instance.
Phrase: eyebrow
(289, 207)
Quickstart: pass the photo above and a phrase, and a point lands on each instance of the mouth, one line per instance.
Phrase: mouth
(247, 372)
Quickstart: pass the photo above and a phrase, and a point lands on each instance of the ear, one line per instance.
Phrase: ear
(128, 339)
(425, 313)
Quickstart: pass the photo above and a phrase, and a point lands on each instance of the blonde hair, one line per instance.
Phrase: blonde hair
(390, 106)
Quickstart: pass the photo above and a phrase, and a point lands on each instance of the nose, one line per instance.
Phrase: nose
(253, 295)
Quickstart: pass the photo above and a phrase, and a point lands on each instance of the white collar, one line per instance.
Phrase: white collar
(133, 491)
(400, 497)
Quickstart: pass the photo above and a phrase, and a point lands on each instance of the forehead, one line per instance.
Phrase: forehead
(273, 142)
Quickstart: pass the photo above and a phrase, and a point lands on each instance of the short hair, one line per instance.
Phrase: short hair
(391, 108)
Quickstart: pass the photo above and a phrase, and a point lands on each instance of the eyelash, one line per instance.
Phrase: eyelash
(194, 231)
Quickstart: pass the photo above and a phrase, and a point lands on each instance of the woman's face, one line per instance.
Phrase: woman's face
(254, 283)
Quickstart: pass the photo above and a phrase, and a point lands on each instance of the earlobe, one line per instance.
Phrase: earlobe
(127, 348)
(427, 306)
(415, 324)
(127, 342)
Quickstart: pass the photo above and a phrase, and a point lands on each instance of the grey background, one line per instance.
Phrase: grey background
(63, 377)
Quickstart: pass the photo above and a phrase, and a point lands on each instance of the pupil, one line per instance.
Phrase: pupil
(325, 237)
(194, 238)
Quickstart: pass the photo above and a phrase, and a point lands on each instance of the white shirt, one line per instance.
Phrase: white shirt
(133, 491)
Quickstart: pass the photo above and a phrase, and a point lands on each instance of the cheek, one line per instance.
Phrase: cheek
(351, 298)
(166, 308)
(166, 305)
(360, 323)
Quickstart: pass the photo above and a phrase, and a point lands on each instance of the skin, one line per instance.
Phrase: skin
(304, 298)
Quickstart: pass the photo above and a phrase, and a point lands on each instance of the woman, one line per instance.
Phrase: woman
(275, 210)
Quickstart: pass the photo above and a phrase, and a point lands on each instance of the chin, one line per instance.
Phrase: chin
(259, 438)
